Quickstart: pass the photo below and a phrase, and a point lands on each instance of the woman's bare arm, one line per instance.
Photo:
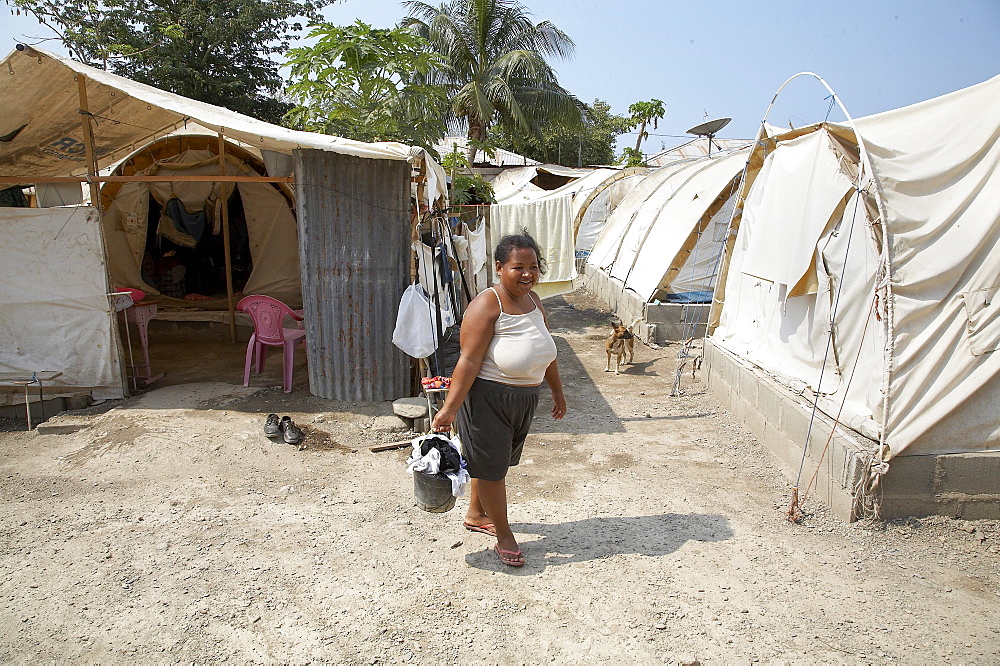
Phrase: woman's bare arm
(552, 377)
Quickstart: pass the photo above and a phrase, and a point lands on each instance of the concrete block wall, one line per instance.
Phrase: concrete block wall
(660, 323)
(961, 485)
(965, 485)
(780, 420)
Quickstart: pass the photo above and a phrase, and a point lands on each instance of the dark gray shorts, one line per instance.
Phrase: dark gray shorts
(492, 424)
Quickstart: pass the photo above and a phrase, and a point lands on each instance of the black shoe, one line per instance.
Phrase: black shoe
(290, 432)
(272, 426)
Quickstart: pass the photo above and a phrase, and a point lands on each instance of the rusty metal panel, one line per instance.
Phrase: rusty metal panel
(353, 223)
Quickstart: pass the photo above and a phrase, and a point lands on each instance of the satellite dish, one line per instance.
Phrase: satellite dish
(709, 130)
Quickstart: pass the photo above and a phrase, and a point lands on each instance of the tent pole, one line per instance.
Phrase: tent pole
(95, 202)
(88, 141)
(224, 202)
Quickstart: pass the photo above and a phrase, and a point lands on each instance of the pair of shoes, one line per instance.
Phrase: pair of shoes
(283, 427)
(489, 528)
(512, 558)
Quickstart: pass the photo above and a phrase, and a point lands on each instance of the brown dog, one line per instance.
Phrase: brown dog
(620, 342)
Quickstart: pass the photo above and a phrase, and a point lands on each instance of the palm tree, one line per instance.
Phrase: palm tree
(496, 64)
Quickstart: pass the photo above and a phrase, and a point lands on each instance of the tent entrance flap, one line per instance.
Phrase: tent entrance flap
(805, 186)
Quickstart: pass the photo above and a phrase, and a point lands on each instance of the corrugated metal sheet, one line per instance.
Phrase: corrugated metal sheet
(694, 149)
(354, 235)
(500, 157)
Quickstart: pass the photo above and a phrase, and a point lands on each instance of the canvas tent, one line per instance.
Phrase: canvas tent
(879, 242)
(62, 121)
(698, 147)
(527, 183)
(663, 240)
(499, 158)
(596, 204)
(147, 252)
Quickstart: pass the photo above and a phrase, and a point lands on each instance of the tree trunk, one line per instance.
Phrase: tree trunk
(642, 131)
(477, 132)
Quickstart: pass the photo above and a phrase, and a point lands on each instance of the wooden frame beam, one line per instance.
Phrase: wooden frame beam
(227, 251)
(29, 180)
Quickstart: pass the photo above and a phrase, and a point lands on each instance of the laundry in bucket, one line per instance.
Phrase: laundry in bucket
(437, 453)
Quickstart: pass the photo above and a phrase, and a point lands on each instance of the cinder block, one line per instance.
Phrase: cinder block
(658, 313)
(981, 507)
(747, 387)
(968, 473)
(901, 507)
(754, 420)
(695, 315)
(769, 402)
(910, 476)
(727, 370)
(795, 421)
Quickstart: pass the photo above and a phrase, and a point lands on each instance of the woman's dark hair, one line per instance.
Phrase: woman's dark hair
(521, 241)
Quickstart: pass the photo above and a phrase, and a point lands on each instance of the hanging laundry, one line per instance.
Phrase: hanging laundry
(429, 272)
(193, 224)
(478, 256)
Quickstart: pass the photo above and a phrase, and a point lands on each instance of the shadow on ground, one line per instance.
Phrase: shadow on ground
(598, 538)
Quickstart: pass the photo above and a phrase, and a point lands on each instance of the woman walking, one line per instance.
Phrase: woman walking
(506, 353)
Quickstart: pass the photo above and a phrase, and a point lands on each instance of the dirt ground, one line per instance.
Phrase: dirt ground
(166, 528)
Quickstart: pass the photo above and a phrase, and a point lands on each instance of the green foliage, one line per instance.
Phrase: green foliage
(591, 141)
(633, 157)
(644, 113)
(467, 187)
(216, 51)
(367, 84)
(471, 188)
(454, 161)
(495, 63)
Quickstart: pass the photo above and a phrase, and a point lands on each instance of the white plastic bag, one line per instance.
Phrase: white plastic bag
(416, 322)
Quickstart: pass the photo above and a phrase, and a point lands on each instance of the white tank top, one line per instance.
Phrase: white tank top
(521, 348)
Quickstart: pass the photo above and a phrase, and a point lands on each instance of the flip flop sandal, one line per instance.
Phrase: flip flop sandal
(488, 529)
(290, 432)
(272, 426)
(512, 558)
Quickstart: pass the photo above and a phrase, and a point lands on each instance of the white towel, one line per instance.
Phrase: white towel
(550, 223)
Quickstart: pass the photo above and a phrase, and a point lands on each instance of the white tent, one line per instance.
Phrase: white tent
(663, 239)
(904, 262)
(499, 158)
(62, 119)
(54, 311)
(40, 100)
(593, 211)
(526, 183)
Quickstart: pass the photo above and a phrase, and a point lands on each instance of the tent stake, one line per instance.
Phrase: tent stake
(224, 202)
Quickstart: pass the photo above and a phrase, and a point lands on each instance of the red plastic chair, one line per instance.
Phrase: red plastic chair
(268, 314)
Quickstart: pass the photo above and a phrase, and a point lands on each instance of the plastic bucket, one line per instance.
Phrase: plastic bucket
(433, 492)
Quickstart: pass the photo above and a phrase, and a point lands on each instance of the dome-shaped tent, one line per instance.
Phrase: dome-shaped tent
(166, 237)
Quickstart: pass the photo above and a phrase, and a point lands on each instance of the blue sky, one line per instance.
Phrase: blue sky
(728, 57)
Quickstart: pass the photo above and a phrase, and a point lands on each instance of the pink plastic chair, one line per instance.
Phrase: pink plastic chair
(268, 314)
